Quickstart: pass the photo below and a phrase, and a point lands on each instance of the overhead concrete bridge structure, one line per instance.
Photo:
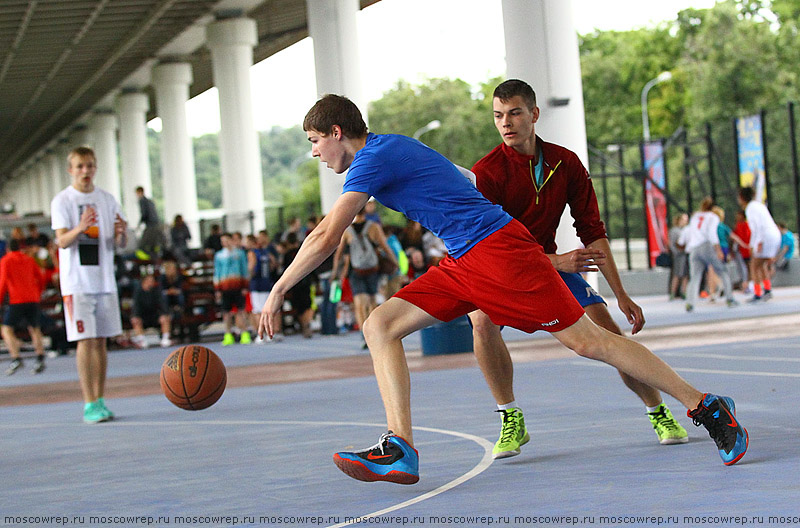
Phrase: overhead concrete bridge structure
(93, 72)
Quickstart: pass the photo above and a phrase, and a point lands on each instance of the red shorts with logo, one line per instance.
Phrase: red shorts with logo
(506, 275)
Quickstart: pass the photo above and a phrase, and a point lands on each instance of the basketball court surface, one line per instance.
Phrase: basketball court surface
(262, 455)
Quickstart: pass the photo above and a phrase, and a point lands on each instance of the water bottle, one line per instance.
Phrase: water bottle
(336, 292)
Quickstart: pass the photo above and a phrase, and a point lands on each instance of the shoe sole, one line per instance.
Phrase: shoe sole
(674, 441)
(359, 471)
(104, 419)
(509, 454)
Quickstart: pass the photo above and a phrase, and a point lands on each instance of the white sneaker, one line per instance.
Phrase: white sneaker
(166, 342)
(139, 342)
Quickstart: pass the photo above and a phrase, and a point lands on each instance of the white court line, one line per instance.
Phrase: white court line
(479, 468)
(707, 371)
(723, 356)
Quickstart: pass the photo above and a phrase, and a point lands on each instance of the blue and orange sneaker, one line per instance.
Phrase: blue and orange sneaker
(390, 460)
(718, 415)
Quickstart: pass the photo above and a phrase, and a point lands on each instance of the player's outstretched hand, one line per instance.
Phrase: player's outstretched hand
(579, 260)
(273, 305)
(633, 312)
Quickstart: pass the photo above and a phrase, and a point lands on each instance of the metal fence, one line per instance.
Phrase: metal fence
(697, 163)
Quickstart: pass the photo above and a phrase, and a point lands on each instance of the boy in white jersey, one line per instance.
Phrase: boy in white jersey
(765, 241)
(88, 222)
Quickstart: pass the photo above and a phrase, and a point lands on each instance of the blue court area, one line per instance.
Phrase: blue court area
(262, 455)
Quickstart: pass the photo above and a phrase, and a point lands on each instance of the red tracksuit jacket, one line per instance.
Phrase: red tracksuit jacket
(507, 177)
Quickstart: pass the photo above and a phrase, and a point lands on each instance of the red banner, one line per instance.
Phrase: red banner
(655, 202)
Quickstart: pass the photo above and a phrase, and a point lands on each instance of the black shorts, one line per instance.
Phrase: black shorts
(22, 315)
(231, 298)
(150, 320)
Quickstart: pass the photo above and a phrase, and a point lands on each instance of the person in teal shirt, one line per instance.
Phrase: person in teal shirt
(787, 247)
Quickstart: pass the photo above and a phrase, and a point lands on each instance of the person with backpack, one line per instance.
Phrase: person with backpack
(361, 260)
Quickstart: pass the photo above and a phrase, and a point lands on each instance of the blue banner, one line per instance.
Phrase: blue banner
(751, 155)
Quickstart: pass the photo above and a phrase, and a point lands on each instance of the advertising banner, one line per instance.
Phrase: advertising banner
(751, 155)
(655, 202)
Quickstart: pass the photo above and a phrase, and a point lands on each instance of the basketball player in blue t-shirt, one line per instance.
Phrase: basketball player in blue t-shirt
(494, 264)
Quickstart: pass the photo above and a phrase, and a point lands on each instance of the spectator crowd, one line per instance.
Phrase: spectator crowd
(178, 291)
(709, 259)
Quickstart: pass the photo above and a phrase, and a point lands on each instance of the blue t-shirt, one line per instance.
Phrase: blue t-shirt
(787, 240)
(262, 279)
(409, 177)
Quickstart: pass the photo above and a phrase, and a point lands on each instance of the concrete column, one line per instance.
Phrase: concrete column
(79, 137)
(333, 28)
(103, 139)
(10, 194)
(56, 168)
(62, 151)
(18, 193)
(31, 189)
(171, 82)
(231, 43)
(38, 188)
(132, 109)
(542, 50)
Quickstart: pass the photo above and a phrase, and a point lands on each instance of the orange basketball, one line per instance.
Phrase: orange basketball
(193, 377)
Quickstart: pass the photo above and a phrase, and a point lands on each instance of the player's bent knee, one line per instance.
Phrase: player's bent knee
(375, 327)
(482, 326)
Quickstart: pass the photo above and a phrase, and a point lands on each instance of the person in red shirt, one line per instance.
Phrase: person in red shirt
(534, 181)
(742, 257)
(24, 287)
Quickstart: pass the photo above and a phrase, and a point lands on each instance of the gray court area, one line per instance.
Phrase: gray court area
(262, 455)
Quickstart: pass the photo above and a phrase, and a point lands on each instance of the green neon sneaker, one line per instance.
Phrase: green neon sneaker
(667, 428)
(245, 338)
(228, 339)
(93, 413)
(102, 403)
(512, 436)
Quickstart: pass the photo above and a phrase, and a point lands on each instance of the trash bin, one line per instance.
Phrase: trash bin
(447, 338)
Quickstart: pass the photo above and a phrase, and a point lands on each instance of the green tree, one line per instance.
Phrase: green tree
(466, 133)
(741, 76)
(207, 171)
(615, 66)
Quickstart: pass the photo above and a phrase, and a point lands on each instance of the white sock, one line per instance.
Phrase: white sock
(653, 409)
(165, 336)
(506, 406)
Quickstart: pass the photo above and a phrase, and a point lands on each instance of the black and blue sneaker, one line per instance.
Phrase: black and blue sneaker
(390, 460)
(718, 415)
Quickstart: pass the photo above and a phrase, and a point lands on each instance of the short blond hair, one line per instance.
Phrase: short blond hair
(80, 152)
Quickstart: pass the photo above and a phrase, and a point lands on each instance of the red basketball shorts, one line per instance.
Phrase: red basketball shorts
(506, 275)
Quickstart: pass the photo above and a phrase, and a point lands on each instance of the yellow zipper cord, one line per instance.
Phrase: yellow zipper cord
(533, 177)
